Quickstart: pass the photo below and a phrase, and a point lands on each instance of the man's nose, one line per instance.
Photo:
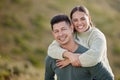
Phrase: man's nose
(60, 33)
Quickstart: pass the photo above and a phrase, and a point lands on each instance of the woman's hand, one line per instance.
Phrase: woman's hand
(62, 63)
(74, 60)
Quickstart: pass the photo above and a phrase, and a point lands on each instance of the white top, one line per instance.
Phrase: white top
(94, 40)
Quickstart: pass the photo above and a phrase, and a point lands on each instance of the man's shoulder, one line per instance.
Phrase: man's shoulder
(48, 58)
(81, 49)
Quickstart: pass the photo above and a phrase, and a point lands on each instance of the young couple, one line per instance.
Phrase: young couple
(79, 49)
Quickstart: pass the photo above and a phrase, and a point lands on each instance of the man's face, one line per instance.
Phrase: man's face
(62, 32)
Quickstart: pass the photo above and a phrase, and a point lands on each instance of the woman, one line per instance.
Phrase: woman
(90, 37)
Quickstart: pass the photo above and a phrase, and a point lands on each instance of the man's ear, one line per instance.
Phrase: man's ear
(52, 32)
(72, 28)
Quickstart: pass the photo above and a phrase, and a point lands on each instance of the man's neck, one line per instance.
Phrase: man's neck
(71, 46)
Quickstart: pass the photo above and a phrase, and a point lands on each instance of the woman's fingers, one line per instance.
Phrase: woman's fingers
(62, 63)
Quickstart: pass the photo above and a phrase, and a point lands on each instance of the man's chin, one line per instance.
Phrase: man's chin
(62, 43)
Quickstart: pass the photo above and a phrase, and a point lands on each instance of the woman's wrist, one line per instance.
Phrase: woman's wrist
(67, 54)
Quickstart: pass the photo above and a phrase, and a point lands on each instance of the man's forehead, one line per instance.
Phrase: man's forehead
(60, 24)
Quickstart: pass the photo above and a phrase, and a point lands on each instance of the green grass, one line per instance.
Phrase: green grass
(25, 31)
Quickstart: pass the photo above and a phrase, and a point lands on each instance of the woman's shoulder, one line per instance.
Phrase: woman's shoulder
(96, 31)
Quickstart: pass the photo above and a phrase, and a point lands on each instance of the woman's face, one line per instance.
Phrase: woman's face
(80, 21)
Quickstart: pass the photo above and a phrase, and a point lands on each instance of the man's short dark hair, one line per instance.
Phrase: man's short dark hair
(59, 18)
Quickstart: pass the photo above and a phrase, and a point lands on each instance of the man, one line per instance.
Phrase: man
(62, 31)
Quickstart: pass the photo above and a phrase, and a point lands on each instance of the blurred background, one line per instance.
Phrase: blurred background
(25, 33)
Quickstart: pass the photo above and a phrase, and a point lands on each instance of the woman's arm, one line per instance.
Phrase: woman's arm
(55, 51)
(97, 50)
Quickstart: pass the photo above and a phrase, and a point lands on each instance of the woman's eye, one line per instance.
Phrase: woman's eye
(74, 20)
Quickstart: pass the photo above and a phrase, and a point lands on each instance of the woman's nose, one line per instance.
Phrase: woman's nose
(79, 22)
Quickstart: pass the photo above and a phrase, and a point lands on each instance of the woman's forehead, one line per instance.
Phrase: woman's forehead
(78, 14)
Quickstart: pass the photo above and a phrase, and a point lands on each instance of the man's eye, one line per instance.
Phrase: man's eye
(83, 18)
(64, 29)
(55, 31)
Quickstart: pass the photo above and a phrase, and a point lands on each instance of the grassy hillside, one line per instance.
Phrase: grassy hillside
(25, 33)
